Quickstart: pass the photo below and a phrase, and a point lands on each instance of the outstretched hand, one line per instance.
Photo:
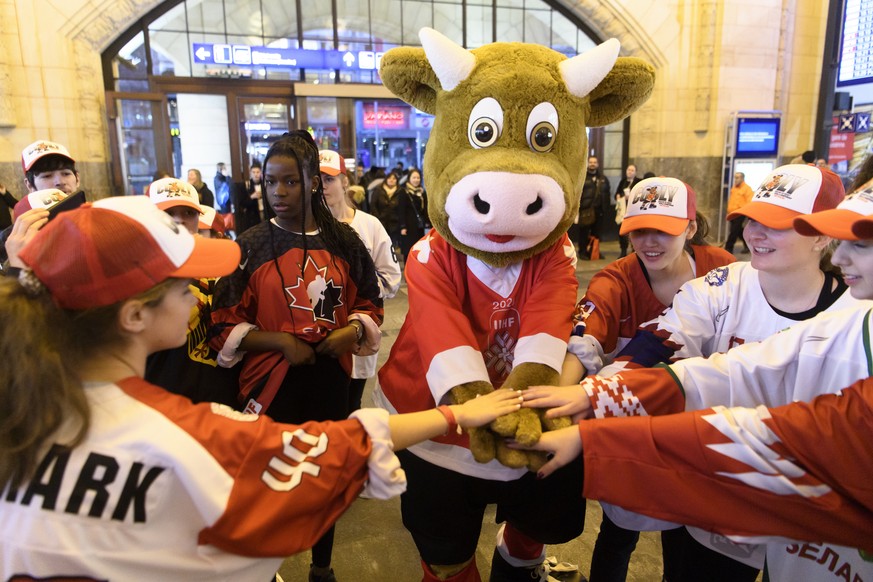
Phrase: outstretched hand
(569, 401)
(483, 409)
(562, 445)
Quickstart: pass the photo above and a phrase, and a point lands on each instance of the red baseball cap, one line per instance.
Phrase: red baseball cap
(331, 163)
(664, 204)
(792, 191)
(115, 248)
(39, 199)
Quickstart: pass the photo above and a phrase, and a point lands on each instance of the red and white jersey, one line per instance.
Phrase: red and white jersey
(800, 471)
(815, 357)
(720, 311)
(468, 321)
(161, 489)
(618, 300)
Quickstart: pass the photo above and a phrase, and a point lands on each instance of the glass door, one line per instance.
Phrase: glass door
(262, 122)
(140, 139)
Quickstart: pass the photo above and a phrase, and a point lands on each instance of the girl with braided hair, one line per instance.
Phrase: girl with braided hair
(304, 299)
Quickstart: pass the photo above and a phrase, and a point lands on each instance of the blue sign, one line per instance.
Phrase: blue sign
(862, 122)
(847, 123)
(262, 56)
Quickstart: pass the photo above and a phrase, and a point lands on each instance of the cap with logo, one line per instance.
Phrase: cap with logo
(169, 192)
(210, 220)
(39, 199)
(107, 251)
(791, 191)
(852, 219)
(661, 203)
(40, 149)
(331, 163)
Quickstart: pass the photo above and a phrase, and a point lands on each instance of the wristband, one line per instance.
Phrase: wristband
(450, 418)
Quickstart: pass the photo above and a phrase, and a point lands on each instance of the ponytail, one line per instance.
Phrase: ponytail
(45, 346)
(700, 237)
(38, 387)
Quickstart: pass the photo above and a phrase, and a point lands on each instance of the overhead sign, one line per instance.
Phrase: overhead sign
(262, 56)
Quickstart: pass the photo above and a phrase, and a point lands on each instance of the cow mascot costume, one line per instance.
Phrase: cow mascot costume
(493, 286)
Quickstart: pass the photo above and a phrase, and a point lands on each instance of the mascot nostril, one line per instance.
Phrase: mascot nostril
(482, 206)
(535, 206)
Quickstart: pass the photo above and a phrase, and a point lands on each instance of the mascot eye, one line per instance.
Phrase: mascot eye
(542, 127)
(485, 123)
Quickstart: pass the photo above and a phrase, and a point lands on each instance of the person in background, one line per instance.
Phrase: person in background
(821, 163)
(415, 219)
(388, 204)
(248, 199)
(166, 490)
(621, 198)
(378, 243)
(358, 198)
(670, 249)
(595, 193)
(191, 369)
(46, 165)
(7, 203)
(304, 300)
(204, 194)
(741, 194)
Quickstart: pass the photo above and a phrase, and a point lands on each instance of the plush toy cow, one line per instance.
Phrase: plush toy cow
(492, 287)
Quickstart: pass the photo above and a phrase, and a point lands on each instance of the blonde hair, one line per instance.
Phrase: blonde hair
(357, 194)
(41, 388)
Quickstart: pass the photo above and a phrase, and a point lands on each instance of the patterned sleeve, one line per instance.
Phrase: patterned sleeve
(744, 472)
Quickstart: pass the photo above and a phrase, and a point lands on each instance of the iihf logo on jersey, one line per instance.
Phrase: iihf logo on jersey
(654, 196)
(716, 277)
(504, 328)
(779, 186)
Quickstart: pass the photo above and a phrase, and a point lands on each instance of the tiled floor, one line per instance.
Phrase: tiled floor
(372, 545)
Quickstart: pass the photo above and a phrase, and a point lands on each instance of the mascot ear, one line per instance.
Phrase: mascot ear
(415, 75)
(623, 91)
(406, 73)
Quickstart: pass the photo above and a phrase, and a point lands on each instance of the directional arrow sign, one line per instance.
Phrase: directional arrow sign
(202, 54)
(349, 59)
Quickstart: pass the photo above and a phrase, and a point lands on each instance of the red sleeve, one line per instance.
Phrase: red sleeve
(601, 309)
(291, 488)
(801, 471)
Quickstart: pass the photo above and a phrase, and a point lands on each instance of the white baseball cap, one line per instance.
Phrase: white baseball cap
(331, 163)
(662, 203)
(169, 192)
(40, 149)
(791, 191)
(39, 199)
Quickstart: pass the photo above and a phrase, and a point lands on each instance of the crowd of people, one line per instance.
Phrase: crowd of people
(181, 394)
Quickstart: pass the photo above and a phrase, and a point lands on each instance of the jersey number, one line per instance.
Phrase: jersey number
(294, 473)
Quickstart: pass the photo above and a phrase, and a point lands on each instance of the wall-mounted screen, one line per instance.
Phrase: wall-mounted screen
(856, 51)
(757, 137)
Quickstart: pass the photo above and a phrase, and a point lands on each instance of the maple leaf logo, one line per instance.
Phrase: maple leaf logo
(313, 292)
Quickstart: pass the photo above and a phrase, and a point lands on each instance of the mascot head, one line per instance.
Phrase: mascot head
(507, 155)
